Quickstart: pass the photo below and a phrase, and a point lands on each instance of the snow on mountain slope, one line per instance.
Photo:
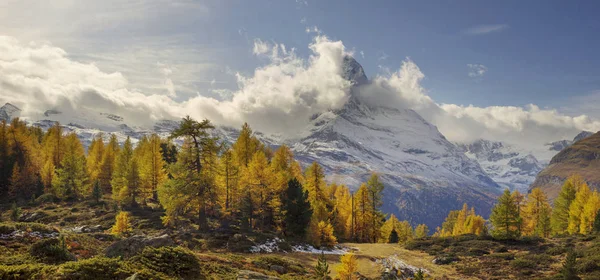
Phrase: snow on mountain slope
(8, 112)
(426, 176)
(515, 167)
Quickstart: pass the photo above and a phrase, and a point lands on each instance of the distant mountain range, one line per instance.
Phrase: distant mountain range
(425, 175)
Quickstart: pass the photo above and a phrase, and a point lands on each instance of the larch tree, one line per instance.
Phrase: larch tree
(505, 217)
(257, 180)
(189, 174)
(227, 179)
(363, 206)
(559, 221)
(107, 164)
(421, 231)
(536, 214)
(391, 225)
(348, 267)
(375, 187)
(94, 157)
(590, 211)
(152, 166)
(121, 172)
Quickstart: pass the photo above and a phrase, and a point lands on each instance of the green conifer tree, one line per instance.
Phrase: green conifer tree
(322, 268)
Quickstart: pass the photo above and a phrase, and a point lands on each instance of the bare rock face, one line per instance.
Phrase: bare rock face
(129, 247)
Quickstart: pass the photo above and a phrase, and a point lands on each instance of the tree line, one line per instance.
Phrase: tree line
(244, 185)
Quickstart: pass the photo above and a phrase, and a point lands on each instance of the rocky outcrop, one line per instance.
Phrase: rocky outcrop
(131, 246)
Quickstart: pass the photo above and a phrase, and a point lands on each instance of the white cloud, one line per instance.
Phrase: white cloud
(485, 29)
(278, 97)
(476, 70)
(303, 20)
(362, 54)
(260, 47)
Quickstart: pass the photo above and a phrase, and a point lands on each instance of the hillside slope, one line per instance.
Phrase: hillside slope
(583, 158)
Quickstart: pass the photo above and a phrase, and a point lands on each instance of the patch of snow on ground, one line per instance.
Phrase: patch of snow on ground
(394, 263)
(269, 246)
(272, 245)
(309, 249)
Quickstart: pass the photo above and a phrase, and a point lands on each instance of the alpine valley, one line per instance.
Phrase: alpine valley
(425, 175)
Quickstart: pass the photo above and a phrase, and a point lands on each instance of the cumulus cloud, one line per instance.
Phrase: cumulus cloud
(485, 29)
(278, 97)
(476, 70)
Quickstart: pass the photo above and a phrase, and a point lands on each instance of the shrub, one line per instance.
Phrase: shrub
(521, 263)
(46, 198)
(95, 268)
(51, 251)
(174, 262)
(35, 227)
(26, 271)
(7, 228)
(15, 212)
(503, 256)
(555, 251)
(587, 265)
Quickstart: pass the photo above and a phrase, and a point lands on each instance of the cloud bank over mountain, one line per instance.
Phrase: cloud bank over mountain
(278, 97)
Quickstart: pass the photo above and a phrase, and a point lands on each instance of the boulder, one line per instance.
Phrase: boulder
(278, 268)
(131, 246)
(441, 260)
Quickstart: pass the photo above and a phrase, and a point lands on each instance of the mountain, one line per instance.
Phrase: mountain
(425, 175)
(8, 112)
(512, 166)
(583, 158)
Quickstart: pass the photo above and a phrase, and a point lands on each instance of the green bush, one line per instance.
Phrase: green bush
(7, 228)
(97, 268)
(503, 256)
(46, 198)
(175, 262)
(267, 261)
(521, 263)
(587, 265)
(26, 271)
(51, 251)
(555, 251)
(35, 227)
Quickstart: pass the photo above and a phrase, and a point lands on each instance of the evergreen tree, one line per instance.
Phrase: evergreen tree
(559, 220)
(596, 227)
(505, 217)
(322, 268)
(394, 238)
(420, 275)
(97, 192)
(568, 271)
(297, 209)
(71, 181)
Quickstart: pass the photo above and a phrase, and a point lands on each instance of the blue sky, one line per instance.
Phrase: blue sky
(543, 51)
